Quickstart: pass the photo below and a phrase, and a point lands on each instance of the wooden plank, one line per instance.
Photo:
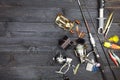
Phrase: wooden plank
(113, 4)
(19, 14)
(29, 73)
(28, 24)
(112, 0)
(40, 59)
(116, 71)
(38, 29)
(2, 29)
(33, 73)
(4, 59)
(28, 14)
(36, 17)
(73, 14)
(107, 73)
(46, 4)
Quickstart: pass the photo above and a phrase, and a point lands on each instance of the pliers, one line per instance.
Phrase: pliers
(114, 58)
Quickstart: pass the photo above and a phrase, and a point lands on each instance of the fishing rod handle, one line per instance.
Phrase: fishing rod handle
(92, 40)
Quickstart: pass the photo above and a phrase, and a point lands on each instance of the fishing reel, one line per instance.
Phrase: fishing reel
(65, 42)
(59, 59)
(63, 60)
(63, 22)
(80, 51)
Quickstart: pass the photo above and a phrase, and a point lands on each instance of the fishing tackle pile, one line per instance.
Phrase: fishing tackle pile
(79, 45)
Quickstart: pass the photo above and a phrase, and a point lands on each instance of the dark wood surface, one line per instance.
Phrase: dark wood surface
(30, 23)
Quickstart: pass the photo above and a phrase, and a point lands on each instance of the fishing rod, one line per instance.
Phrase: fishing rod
(92, 40)
(102, 47)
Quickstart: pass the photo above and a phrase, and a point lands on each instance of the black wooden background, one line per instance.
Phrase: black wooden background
(26, 24)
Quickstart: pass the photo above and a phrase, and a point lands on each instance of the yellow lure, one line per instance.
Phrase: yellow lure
(114, 39)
